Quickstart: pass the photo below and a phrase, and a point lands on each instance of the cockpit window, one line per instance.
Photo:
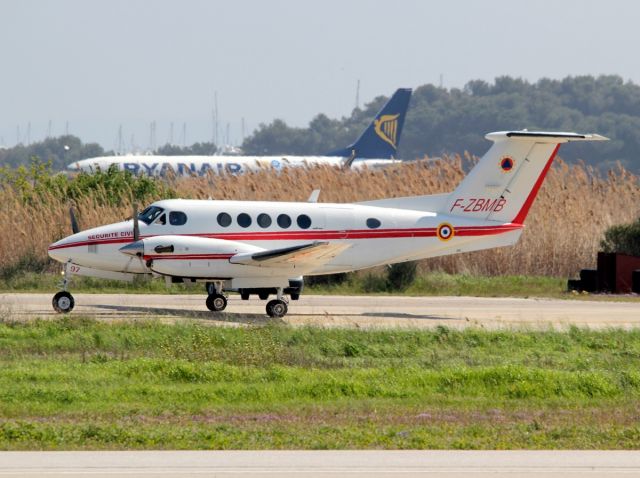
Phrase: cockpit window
(150, 214)
(177, 218)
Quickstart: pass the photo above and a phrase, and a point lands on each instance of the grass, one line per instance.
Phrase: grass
(435, 283)
(74, 383)
(367, 283)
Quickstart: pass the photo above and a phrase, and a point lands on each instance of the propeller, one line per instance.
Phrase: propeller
(136, 224)
(74, 222)
(135, 248)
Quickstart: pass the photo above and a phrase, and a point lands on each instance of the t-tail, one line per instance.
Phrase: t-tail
(506, 180)
(381, 138)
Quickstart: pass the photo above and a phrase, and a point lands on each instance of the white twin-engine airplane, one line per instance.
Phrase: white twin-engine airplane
(266, 248)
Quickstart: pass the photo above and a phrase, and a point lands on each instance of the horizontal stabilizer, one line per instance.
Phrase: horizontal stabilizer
(305, 255)
(545, 136)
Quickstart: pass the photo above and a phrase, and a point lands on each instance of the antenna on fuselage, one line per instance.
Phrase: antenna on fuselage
(313, 197)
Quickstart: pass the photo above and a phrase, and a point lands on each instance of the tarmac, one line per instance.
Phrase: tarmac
(322, 464)
(344, 311)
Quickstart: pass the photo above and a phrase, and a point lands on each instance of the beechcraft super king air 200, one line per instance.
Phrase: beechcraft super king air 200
(266, 248)
(376, 147)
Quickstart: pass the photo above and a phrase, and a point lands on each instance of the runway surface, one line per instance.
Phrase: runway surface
(345, 311)
(311, 464)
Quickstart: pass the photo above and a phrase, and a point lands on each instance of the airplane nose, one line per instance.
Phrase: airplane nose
(133, 249)
(58, 253)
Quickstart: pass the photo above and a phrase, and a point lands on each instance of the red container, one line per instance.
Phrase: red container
(614, 272)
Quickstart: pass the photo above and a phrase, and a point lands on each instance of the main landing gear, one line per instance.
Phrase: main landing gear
(276, 308)
(216, 302)
(63, 301)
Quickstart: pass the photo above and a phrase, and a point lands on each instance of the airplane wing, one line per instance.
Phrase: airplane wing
(306, 255)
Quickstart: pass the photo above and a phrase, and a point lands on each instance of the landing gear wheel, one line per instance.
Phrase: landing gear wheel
(263, 295)
(216, 302)
(277, 308)
(63, 302)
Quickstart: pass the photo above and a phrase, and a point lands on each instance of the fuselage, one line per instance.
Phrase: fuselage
(211, 232)
(203, 165)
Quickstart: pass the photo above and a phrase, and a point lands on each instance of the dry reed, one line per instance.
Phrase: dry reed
(563, 231)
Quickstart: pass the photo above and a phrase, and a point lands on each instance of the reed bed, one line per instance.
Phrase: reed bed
(564, 228)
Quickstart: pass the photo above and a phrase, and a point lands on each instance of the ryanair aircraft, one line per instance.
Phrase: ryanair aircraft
(376, 147)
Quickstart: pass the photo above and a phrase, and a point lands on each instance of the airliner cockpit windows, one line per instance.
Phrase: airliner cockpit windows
(150, 214)
(177, 218)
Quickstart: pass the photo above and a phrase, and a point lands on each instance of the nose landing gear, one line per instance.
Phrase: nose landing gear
(63, 301)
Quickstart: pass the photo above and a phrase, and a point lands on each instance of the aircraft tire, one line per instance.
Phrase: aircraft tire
(63, 302)
(216, 302)
(277, 308)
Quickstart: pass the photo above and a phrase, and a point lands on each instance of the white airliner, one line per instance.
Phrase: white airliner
(266, 248)
(375, 147)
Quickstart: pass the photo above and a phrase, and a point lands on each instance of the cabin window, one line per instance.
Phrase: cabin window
(162, 220)
(150, 214)
(284, 221)
(224, 219)
(304, 221)
(373, 223)
(244, 220)
(177, 218)
(264, 220)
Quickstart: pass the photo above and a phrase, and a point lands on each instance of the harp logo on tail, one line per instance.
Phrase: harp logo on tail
(387, 128)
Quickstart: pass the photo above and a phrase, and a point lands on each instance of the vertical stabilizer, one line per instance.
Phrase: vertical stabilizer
(506, 180)
(381, 138)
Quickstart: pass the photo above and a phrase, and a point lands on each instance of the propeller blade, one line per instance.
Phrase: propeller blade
(74, 222)
(136, 224)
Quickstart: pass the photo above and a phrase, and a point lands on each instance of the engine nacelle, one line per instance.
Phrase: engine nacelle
(188, 256)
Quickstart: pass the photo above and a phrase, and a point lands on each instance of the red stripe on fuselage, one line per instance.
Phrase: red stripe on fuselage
(315, 235)
(189, 257)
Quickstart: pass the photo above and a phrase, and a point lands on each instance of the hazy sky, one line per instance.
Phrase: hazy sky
(101, 64)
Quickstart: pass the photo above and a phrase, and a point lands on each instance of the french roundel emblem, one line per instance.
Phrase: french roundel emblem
(445, 231)
(507, 163)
